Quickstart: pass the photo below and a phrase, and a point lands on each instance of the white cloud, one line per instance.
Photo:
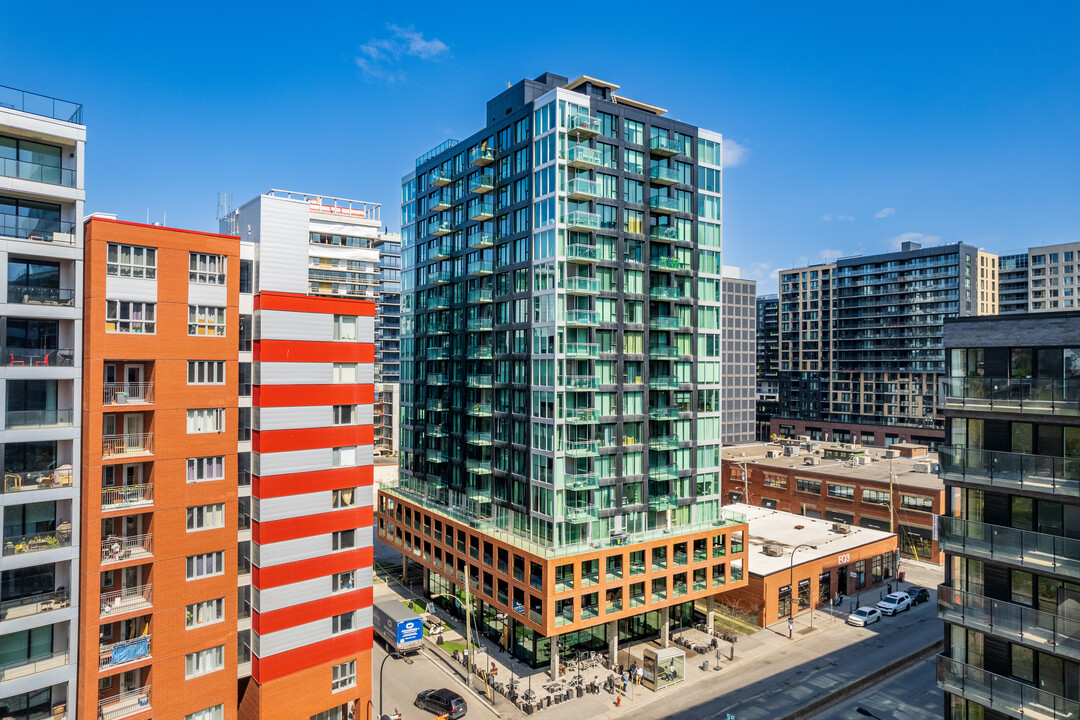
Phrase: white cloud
(379, 57)
(885, 212)
(734, 154)
(764, 273)
(849, 218)
(927, 240)
(826, 218)
(829, 254)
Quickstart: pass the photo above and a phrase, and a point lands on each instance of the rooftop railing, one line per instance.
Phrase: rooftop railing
(42, 105)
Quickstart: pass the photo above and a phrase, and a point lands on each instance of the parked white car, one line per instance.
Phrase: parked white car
(895, 603)
(864, 616)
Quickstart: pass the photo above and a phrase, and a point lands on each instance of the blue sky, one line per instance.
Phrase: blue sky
(858, 123)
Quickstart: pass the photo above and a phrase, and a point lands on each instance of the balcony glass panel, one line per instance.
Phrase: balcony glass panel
(1031, 395)
(1038, 551)
(1003, 694)
(582, 220)
(582, 253)
(1012, 471)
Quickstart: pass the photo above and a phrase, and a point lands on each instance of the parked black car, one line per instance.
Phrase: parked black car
(918, 595)
(442, 702)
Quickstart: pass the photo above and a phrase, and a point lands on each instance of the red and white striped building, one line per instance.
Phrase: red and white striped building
(311, 444)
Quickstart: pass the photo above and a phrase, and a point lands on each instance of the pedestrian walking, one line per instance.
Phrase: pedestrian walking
(625, 680)
(640, 675)
(633, 672)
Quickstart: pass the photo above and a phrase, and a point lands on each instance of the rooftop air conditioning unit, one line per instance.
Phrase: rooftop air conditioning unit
(922, 467)
(792, 450)
(812, 460)
(892, 453)
(803, 438)
(774, 551)
(841, 528)
(774, 453)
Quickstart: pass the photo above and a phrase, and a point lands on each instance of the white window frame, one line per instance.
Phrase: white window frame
(114, 316)
(197, 564)
(206, 269)
(197, 468)
(343, 676)
(344, 581)
(346, 373)
(206, 321)
(212, 609)
(346, 414)
(205, 517)
(343, 498)
(345, 456)
(205, 420)
(119, 266)
(204, 662)
(205, 372)
(346, 328)
(343, 623)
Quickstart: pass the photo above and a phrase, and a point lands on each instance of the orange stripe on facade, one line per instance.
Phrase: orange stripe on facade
(313, 351)
(294, 302)
(308, 395)
(325, 607)
(304, 526)
(340, 648)
(288, 573)
(282, 485)
(313, 438)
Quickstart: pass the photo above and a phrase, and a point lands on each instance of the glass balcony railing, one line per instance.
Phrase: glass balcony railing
(582, 382)
(660, 175)
(583, 126)
(18, 419)
(37, 357)
(1019, 623)
(438, 353)
(479, 467)
(438, 379)
(583, 351)
(33, 295)
(482, 211)
(664, 472)
(1012, 471)
(581, 481)
(438, 404)
(579, 285)
(478, 381)
(440, 277)
(664, 205)
(664, 352)
(441, 251)
(660, 322)
(997, 692)
(1032, 395)
(583, 158)
(436, 456)
(669, 412)
(662, 503)
(34, 604)
(586, 318)
(663, 382)
(479, 324)
(37, 229)
(437, 302)
(480, 184)
(581, 253)
(37, 172)
(479, 352)
(665, 146)
(477, 297)
(668, 264)
(439, 228)
(664, 292)
(580, 416)
(582, 448)
(582, 189)
(581, 514)
(478, 437)
(664, 443)
(582, 221)
(1034, 550)
(435, 430)
(438, 328)
(440, 178)
(42, 105)
(478, 409)
(481, 156)
(481, 240)
(663, 233)
(441, 202)
(36, 542)
(24, 666)
(480, 267)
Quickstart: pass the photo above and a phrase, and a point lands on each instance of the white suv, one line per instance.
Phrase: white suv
(895, 603)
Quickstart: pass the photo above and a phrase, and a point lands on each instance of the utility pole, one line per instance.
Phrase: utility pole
(468, 628)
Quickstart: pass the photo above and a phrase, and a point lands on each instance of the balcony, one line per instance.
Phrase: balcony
(479, 352)
(127, 600)
(664, 472)
(583, 318)
(581, 221)
(668, 264)
(1019, 623)
(582, 448)
(440, 178)
(1033, 550)
(1012, 471)
(478, 409)
(18, 419)
(580, 416)
(583, 351)
(660, 322)
(581, 481)
(441, 251)
(670, 412)
(663, 382)
(435, 430)
(663, 233)
(31, 295)
(664, 352)
(1032, 395)
(663, 503)
(664, 146)
(581, 514)
(997, 692)
(481, 156)
(34, 604)
(25, 667)
(582, 126)
(579, 383)
(479, 467)
(127, 496)
(37, 229)
(435, 456)
(660, 175)
(123, 652)
(38, 357)
(438, 404)
(124, 704)
(581, 253)
(441, 202)
(580, 285)
(37, 172)
(482, 211)
(478, 381)
(481, 240)
(127, 394)
(121, 549)
(582, 190)
(478, 324)
(478, 297)
(480, 267)
(438, 353)
(661, 205)
(440, 277)
(43, 479)
(663, 443)
(481, 184)
(438, 328)
(582, 157)
(36, 542)
(478, 437)
(439, 228)
(437, 302)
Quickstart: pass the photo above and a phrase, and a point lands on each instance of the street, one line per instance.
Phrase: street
(909, 695)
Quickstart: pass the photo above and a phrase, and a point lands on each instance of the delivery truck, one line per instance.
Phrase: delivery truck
(400, 628)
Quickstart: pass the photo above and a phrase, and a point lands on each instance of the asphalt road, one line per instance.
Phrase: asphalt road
(909, 695)
(403, 680)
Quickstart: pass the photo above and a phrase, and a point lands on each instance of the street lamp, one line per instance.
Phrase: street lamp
(396, 656)
(863, 711)
(793, 593)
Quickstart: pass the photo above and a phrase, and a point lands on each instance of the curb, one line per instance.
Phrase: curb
(859, 684)
(442, 663)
